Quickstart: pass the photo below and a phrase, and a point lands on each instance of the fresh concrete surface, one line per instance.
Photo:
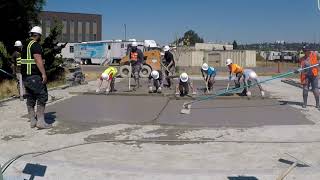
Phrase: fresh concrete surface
(254, 152)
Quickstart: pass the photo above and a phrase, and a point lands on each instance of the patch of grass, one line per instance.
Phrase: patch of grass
(56, 83)
(8, 89)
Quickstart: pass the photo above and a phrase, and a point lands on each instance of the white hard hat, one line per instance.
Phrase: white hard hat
(184, 77)
(105, 76)
(205, 66)
(228, 62)
(166, 48)
(253, 75)
(134, 44)
(17, 44)
(36, 29)
(155, 74)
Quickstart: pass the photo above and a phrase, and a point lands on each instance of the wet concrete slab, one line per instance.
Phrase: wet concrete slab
(233, 113)
(82, 113)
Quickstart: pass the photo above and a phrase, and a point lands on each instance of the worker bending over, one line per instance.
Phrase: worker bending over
(136, 59)
(170, 65)
(156, 78)
(251, 77)
(236, 70)
(208, 74)
(183, 86)
(109, 75)
(309, 77)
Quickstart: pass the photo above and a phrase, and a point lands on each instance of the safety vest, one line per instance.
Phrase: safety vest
(134, 56)
(314, 70)
(111, 71)
(18, 59)
(28, 60)
(235, 68)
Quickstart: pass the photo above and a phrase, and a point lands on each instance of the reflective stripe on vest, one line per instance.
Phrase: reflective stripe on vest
(19, 61)
(134, 56)
(29, 61)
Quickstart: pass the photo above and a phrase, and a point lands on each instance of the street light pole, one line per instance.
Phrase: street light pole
(125, 31)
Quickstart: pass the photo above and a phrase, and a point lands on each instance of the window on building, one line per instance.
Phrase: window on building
(71, 31)
(87, 31)
(48, 26)
(94, 30)
(71, 49)
(80, 31)
(64, 31)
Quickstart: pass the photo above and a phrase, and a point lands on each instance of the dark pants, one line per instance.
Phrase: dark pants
(184, 89)
(313, 82)
(172, 70)
(237, 80)
(36, 91)
(112, 84)
(136, 68)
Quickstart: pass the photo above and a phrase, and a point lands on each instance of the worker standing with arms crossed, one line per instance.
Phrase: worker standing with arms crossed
(208, 74)
(35, 79)
(16, 68)
(235, 69)
(170, 65)
(109, 75)
(156, 78)
(136, 59)
(309, 77)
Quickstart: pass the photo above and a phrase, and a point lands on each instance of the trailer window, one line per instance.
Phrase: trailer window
(109, 47)
(122, 45)
(71, 49)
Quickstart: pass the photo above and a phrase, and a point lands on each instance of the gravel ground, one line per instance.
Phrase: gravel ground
(238, 153)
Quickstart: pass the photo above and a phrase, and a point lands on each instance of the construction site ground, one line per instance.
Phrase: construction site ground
(137, 135)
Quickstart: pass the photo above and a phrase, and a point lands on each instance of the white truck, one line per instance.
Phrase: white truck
(102, 52)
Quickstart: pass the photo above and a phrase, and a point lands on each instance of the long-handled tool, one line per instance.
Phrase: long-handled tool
(293, 165)
(186, 109)
(130, 73)
(170, 73)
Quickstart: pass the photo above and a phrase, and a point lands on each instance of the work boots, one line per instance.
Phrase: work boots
(41, 123)
(32, 116)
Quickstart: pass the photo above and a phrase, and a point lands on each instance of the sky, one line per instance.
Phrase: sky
(246, 21)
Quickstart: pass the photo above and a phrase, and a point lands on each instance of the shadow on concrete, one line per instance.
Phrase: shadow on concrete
(291, 162)
(34, 170)
(50, 117)
(243, 178)
(291, 103)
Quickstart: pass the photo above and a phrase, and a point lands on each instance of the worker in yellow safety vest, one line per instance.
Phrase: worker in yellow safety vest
(109, 75)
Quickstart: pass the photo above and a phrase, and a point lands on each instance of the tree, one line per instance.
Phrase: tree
(17, 17)
(51, 50)
(235, 44)
(190, 38)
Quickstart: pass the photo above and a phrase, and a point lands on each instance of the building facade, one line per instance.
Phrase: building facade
(77, 27)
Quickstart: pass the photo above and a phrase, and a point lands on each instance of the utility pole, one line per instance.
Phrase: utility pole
(125, 32)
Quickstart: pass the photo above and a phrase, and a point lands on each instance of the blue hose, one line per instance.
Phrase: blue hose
(203, 98)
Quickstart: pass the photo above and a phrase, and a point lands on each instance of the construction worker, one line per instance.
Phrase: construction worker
(109, 75)
(208, 74)
(156, 77)
(183, 86)
(309, 77)
(136, 58)
(236, 70)
(251, 77)
(170, 65)
(16, 65)
(35, 79)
